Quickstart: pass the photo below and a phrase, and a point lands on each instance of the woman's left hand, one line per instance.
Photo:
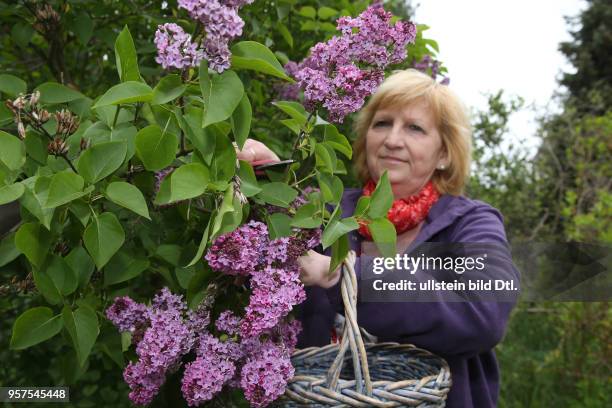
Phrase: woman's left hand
(314, 270)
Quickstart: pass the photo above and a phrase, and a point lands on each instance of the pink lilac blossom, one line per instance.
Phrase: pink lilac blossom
(204, 378)
(143, 384)
(164, 342)
(238, 252)
(198, 319)
(213, 367)
(166, 337)
(340, 73)
(275, 292)
(126, 314)
(228, 322)
(221, 24)
(265, 374)
(175, 49)
(430, 66)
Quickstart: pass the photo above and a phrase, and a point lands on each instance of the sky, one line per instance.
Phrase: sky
(489, 45)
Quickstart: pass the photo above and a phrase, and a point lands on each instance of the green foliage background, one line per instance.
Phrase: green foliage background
(554, 354)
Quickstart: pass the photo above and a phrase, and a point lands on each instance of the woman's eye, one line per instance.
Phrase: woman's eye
(417, 128)
(380, 123)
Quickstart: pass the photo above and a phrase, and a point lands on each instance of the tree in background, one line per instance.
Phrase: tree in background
(559, 354)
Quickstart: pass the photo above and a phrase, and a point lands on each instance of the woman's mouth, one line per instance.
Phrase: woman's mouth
(392, 159)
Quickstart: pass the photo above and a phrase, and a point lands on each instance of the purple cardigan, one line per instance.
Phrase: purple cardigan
(464, 334)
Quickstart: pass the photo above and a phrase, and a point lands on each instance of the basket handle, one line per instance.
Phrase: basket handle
(351, 335)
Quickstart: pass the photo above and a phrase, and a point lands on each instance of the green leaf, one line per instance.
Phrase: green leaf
(292, 124)
(188, 181)
(257, 57)
(382, 198)
(331, 187)
(82, 325)
(52, 92)
(11, 85)
(340, 249)
(184, 276)
(36, 147)
(63, 276)
(12, 151)
(224, 94)
(10, 193)
(103, 237)
(335, 229)
(279, 194)
(223, 166)
(248, 182)
(34, 326)
(65, 186)
(168, 89)
(325, 157)
(279, 225)
(35, 196)
(285, 33)
(202, 139)
(101, 160)
(293, 109)
(8, 250)
(81, 211)
(46, 287)
(126, 57)
(33, 241)
(154, 148)
(337, 141)
(22, 34)
(384, 235)
(325, 13)
(170, 253)
(241, 121)
(83, 27)
(126, 92)
(308, 12)
(226, 207)
(202, 245)
(307, 216)
(82, 264)
(128, 196)
(123, 267)
(363, 204)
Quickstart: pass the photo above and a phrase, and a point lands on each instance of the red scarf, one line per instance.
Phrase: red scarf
(405, 213)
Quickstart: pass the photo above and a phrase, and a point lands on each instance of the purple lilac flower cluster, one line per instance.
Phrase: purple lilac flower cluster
(175, 48)
(221, 24)
(260, 365)
(166, 338)
(239, 252)
(340, 73)
(431, 66)
(272, 266)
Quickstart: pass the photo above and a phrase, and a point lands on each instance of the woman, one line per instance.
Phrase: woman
(416, 130)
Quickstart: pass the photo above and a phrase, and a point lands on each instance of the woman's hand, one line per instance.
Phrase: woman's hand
(314, 269)
(254, 151)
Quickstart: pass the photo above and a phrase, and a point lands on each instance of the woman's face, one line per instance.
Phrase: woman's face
(404, 141)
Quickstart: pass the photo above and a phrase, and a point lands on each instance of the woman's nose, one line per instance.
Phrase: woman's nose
(393, 139)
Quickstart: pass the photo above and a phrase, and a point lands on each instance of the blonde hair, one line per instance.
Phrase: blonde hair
(403, 88)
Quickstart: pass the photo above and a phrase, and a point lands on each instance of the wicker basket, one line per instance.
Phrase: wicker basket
(381, 374)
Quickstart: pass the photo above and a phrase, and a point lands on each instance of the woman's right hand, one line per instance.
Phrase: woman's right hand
(254, 151)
